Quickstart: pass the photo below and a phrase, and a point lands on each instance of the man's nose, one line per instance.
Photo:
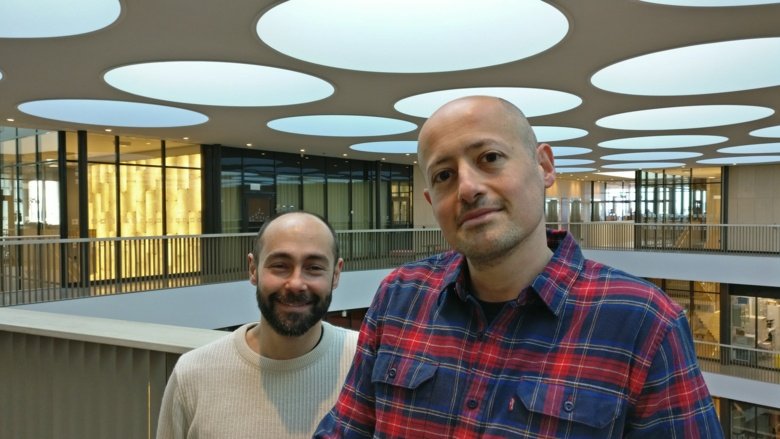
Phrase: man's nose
(470, 184)
(296, 281)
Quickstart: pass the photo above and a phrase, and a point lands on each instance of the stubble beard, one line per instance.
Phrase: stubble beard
(293, 324)
(484, 247)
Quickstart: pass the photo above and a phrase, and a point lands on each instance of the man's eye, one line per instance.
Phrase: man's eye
(442, 176)
(491, 157)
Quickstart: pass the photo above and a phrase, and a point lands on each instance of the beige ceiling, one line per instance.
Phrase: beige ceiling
(601, 33)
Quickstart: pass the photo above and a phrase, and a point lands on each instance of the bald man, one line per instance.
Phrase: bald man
(514, 333)
(276, 378)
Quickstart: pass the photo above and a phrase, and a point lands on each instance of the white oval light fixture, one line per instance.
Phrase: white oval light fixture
(712, 3)
(655, 155)
(694, 116)
(662, 142)
(573, 170)
(340, 125)
(572, 162)
(745, 160)
(410, 36)
(695, 70)
(112, 113)
(563, 151)
(546, 134)
(47, 19)
(388, 147)
(531, 101)
(767, 132)
(643, 165)
(759, 148)
(218, 83)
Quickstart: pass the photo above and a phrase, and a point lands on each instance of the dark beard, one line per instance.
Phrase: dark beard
(293, 324)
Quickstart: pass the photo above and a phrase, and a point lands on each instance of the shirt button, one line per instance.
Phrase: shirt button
(568, 406)
(391, 373)
(472, 404)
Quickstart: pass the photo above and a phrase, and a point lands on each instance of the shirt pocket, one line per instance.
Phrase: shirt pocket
(402, 372)
(586, 409)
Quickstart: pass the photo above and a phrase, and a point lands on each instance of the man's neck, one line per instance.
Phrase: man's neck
(264, 340)
(505, 279)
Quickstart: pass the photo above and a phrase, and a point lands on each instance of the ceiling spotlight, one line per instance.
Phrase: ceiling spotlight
(248, 144)
(186, 138)
(108, 130)
(303, 150)
(344, 155)
(10, 119)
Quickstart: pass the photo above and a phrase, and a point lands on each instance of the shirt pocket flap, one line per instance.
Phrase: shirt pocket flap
(570, 402)
(396, 370)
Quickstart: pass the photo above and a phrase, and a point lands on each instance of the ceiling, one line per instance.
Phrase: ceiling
(574, 39)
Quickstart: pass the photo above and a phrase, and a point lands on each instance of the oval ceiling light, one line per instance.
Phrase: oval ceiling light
(745, 160)
(112, 113)
(409, 36)
(532, 101)
(218, 83)
(572, 162)
(767, 132)
(695, 70)
(644, 165)
(760, 148)
(694, 116)
(573, 170)
(555, 134)
(388, 147)
(340, 125)
(655, 155)
(563, 151)
(662, 142)
(712, 3)
(46, 19)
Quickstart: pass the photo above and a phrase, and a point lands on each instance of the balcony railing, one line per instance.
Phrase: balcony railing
(45, 269)
(73, 376)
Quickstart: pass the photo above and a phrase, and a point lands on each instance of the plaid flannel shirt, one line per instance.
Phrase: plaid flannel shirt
(587, 351)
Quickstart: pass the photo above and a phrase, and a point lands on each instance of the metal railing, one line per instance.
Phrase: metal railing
(751, 363)
(47, 269)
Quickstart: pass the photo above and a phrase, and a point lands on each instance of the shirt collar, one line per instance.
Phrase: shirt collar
(551, 285)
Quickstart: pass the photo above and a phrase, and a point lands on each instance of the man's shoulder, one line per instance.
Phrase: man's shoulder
(627, 288)
(207, 354)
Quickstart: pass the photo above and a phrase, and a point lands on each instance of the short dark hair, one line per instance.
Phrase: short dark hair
(259, 238)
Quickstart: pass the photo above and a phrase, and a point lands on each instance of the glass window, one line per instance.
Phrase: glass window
(363, 205)
(8, 152)
(183, 197)
(230, 190)
(313, 172)
(101, 148)
(288, 183)
(48, 144)
(338, 194)
(101, 200)
(184, 155)
(27, 149)
(140, 151)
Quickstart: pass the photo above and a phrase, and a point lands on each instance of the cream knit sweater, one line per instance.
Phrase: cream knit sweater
(225, 390)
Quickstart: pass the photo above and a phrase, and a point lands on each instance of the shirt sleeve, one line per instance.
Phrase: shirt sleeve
(674, 401)
(353, 416)
(172, 422)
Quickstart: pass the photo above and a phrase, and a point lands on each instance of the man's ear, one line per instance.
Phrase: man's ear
(252, 268)
(337, 273)
(546, 163)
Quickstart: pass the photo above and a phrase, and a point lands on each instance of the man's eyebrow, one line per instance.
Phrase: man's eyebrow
(470, 147)
(308, 257)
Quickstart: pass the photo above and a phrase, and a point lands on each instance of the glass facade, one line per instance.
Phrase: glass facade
(690, 196)
(256, 185)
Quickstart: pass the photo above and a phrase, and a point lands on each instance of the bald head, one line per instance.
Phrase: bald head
(293, 219)
(504, 115)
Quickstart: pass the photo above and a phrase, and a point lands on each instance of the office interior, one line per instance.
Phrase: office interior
(64, 176)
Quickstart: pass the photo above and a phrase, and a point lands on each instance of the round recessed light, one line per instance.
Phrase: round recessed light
(218, 83)
(662, 142)
(563, 151)
(712, 3)
(389, 147)
(572, 162)
(46, 19)
(694, 70)
(112, 113)
(767, 132)
(695, 116)
(573, 170)
(643, 165)
(655, 155)
(409, 36)
(532, 101)
(341, 125)
(744, 160)
(554, 134)
(759, 148)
